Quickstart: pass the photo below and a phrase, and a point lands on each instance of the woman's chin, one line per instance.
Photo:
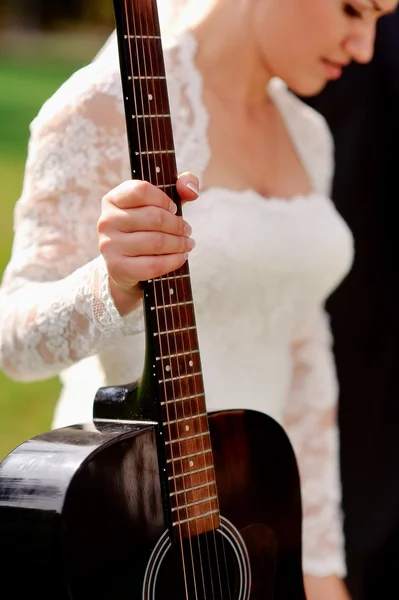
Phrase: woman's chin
(306, 89)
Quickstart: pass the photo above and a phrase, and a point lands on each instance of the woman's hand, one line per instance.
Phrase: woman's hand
(140, 236)
(325, 588)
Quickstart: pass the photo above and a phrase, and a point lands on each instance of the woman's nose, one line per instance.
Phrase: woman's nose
(361, 46)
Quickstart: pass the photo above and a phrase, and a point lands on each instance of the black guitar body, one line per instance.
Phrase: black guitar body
(84, 517)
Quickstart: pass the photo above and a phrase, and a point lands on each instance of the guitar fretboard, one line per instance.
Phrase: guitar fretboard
(169, 302)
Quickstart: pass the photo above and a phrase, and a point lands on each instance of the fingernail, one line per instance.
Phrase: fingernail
(193, 188)
(187, 230)
(191, 243)
(173, 207)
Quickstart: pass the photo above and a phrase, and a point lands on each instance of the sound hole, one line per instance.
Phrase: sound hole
(208, 567)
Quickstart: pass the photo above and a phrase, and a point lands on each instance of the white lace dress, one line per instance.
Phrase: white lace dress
(261, 272)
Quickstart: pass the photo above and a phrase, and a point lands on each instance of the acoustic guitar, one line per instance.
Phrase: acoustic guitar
(155, 499)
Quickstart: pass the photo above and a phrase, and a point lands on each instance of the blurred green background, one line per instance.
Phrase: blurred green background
(41, 45)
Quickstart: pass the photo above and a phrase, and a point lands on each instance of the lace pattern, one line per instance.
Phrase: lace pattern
(55, 303)
(314, 393)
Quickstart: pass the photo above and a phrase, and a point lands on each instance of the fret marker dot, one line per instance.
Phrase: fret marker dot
(187, 428)
(158, 170)
(191, 463)
(191, 363)
(167, 368)
(150, 96)
(171, 292)
(129, 78)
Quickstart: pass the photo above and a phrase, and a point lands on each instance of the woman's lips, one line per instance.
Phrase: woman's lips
(333, 69)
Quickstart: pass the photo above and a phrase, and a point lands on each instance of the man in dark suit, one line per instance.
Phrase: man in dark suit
(362, 110)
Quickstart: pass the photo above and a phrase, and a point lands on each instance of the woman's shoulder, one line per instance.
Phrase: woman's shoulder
(95, 89)
(79, 132)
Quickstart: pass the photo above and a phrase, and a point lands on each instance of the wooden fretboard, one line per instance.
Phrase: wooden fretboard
(168, 300)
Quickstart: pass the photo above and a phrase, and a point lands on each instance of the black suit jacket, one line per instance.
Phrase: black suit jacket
(362, 110)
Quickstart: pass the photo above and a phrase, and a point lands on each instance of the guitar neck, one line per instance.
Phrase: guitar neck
(170, 318)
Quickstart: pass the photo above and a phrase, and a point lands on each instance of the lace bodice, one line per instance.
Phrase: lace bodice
(261, 272)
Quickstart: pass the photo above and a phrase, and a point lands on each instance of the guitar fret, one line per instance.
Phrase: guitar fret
(172, 305)
(207, 514)
(154, 152)
(174, 331)
(184, 419)
(164, 186)
(178, 378)
(179, 355)
(146, 77)
(193, 397)
(171, 460)
(168, 278)
(194, 503)
(189, 437)
(193, 489)
(191, 473)
(154, 116)
(143, 37)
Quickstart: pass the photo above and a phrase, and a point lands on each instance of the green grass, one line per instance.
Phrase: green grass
(25, 83)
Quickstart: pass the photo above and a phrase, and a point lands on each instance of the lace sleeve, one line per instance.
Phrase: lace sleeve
(55, 305)
(310, 421)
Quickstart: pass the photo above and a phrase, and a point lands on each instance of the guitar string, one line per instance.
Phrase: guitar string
(133, 16)
(164, 110)
(188, 446)
(150, 98)
(198, 411)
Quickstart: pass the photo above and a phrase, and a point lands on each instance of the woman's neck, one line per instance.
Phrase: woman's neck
(228, 59)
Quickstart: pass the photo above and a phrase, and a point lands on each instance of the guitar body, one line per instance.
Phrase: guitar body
(84, 516)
